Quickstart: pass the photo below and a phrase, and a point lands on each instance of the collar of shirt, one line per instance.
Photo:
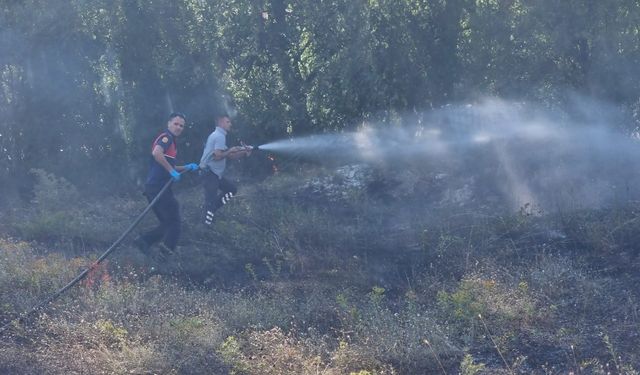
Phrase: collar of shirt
(221, 130)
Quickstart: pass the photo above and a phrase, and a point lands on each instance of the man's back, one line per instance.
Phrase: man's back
(217, 140)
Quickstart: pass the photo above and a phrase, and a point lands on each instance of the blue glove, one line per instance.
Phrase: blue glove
(192, 167)
(175, 175)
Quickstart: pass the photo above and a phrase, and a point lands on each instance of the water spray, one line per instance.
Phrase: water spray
(523, 152)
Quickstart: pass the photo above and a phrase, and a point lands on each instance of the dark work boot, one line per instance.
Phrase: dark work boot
(165, 253)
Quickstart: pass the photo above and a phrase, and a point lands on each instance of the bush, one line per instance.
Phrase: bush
(60, 212)
(505, 305)
(35, 276)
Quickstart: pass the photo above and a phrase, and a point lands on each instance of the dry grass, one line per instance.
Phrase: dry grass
(285, 286)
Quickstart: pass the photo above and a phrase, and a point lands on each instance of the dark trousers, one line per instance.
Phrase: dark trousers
(168, 212)
(212, 183)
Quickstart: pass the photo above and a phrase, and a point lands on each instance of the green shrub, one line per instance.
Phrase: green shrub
(468, 367)
(507, 306)
(53, 193)
(231, 354)
(59, 211)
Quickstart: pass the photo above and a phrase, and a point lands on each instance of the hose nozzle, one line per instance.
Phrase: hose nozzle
(249, 147)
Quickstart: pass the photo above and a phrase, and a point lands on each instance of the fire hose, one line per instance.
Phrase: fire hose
(83, 274)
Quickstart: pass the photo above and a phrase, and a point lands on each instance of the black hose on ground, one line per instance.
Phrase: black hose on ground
(84, 273)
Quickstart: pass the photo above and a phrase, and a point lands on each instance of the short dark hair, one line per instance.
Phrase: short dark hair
(177, 114)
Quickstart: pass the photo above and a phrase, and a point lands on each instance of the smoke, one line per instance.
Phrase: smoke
(530, 155)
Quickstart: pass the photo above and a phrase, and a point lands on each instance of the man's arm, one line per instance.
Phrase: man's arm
(235, 152)
(240, 152)
(158, 155)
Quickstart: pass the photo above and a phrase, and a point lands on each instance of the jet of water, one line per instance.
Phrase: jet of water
(535, 155)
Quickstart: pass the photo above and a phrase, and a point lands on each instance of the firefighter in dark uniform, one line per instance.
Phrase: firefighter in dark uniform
(162, 169)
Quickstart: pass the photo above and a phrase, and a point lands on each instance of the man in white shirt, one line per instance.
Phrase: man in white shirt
(213, 163)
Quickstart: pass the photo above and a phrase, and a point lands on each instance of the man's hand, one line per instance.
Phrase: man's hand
(247, 149)
(192, 167)
(236, 152)
(175, 175)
